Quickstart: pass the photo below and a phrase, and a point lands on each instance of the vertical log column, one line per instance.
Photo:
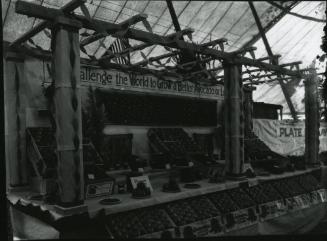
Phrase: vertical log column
(68, 117)
(248, 110)
(234, 121)
(311, 120)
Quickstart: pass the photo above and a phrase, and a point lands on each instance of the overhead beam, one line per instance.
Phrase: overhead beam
(290, 64)
(71, 6)
(151, 59)
(244, 50)
(214, 42)
(123, 25)
(270, 53)
(277, 56)
(164, 41)
(145, 45)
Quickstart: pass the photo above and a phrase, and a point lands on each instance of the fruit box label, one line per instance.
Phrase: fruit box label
(241, 218)
(294, 203)
(306, 200)
(205, 228)
(315, 197)
(271, 210)
(323, 195)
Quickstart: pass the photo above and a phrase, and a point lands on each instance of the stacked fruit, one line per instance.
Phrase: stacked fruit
(270, 192)
(256, 193)
(295, 187)
(223, 202)
(125, 225)
(241, 198)
(181, 213)
(154, 219)
(204, 208)
(283, 187)
(308, 182)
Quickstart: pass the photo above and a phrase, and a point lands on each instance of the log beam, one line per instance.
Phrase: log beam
(123, 25)
(71, 6)
(163, 41)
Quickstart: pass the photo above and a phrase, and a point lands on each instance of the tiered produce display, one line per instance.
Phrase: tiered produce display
(223, 202)
(241, 198)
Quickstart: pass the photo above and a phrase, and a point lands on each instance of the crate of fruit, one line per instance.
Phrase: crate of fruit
(271, 210)
(240, 219)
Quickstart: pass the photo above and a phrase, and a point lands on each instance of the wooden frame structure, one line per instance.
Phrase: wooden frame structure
(66, 61)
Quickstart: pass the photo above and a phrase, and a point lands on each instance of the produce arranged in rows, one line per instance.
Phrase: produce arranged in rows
(270, 192)
(257, 194)
(308, 182)
(154, 219)
(241, 198)
(181, 212)
(288, 188)
(203, 207)
(125, 225)
(223, 202)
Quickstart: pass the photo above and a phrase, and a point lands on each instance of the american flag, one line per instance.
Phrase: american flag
(119, 45)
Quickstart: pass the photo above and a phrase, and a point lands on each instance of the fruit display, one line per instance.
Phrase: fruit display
(241, 198)
(256, 193)
(288, 187)
(270, 192)
(308, 182)
(154, 219)
(223, 202)
(43, 136)
(203, 207)
(125, 225)
(181, 212)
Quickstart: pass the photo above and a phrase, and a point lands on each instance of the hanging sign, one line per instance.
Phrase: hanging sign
(119, 80)
(287, 137)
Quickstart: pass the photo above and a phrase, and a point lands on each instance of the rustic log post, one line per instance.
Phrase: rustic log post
(234, 120)
(248, 109)
(311, 119)
(67, 102)
(14, 105)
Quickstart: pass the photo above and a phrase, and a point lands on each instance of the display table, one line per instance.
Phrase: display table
(34, 219)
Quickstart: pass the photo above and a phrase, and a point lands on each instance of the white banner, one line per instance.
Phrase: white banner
(115, 79)
(286, 137)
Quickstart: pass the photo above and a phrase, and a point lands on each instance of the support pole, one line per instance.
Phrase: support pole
(234, 124)
(67, 102)
(248, 110)
(311, 119)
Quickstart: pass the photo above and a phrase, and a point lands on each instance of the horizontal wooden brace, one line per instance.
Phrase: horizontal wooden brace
(152, 38)
(71, 6)
(214, 42)
(123, 25)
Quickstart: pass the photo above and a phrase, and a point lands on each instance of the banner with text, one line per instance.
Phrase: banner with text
(286, 137)
(119, 80)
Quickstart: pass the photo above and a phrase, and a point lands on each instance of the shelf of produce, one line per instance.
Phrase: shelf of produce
(157, 197)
